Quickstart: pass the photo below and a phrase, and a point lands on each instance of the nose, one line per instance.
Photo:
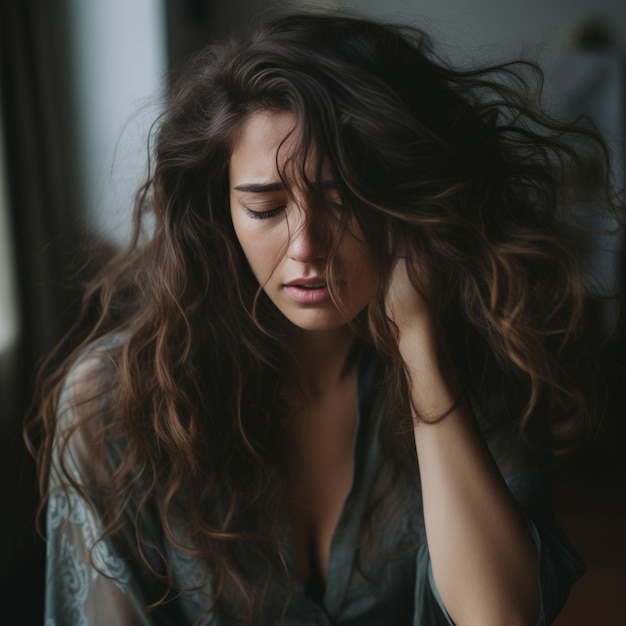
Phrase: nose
(306, 237)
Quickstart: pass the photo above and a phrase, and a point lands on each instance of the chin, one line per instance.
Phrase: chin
(317, 325)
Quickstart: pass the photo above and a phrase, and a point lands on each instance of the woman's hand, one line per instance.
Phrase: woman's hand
(407, 304)
(432, 377)
(482, 555)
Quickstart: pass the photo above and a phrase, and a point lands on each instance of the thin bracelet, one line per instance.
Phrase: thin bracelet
(450, 410)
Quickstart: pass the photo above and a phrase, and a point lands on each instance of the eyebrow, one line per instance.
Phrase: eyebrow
(260, 187)
(278, 186)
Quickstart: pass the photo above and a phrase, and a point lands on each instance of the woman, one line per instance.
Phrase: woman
(353, 316)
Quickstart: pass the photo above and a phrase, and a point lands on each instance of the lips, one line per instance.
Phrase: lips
(308, 290)
(313, 286)
(308, 283)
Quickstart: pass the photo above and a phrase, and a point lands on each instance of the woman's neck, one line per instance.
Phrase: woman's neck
(322, 359)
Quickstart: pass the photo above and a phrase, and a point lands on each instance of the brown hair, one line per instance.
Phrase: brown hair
(459, 168)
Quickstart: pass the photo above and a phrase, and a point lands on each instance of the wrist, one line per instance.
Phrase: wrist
(433, 380)
(423, 348)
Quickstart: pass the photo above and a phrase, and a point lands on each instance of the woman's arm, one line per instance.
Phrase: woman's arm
(482, 554)
(90, 578)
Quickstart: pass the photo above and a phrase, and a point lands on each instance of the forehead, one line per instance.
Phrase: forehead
(266, 143)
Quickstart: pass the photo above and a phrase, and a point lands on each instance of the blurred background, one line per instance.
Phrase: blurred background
(81, 81)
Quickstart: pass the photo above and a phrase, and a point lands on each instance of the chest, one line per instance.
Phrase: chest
(321, 472)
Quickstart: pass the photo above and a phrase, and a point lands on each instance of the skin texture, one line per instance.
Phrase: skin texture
(286, 238)
(482, 554)
(483, 557)
(285, 241)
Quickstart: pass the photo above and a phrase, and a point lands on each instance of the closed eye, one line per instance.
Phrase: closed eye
(264, 215)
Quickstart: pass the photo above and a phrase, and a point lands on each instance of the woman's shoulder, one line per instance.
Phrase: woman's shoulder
(84, 407)
(91, 373)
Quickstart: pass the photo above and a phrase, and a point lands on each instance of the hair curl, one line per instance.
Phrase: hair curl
(458, 168)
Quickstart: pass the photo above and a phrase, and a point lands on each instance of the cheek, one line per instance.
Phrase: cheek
(361, 270)
(361, 257)
(368, 275)
(263, 250)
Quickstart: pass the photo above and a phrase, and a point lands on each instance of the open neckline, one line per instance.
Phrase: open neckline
(343, 547)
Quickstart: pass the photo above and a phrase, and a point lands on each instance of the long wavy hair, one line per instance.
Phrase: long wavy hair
(458, 169)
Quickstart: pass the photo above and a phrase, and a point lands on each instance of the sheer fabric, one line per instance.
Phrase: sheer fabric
(387, 581)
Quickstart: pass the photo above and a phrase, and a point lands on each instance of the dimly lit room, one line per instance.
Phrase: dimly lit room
(101, 156)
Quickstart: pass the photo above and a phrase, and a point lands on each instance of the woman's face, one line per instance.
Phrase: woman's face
(287, 237)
